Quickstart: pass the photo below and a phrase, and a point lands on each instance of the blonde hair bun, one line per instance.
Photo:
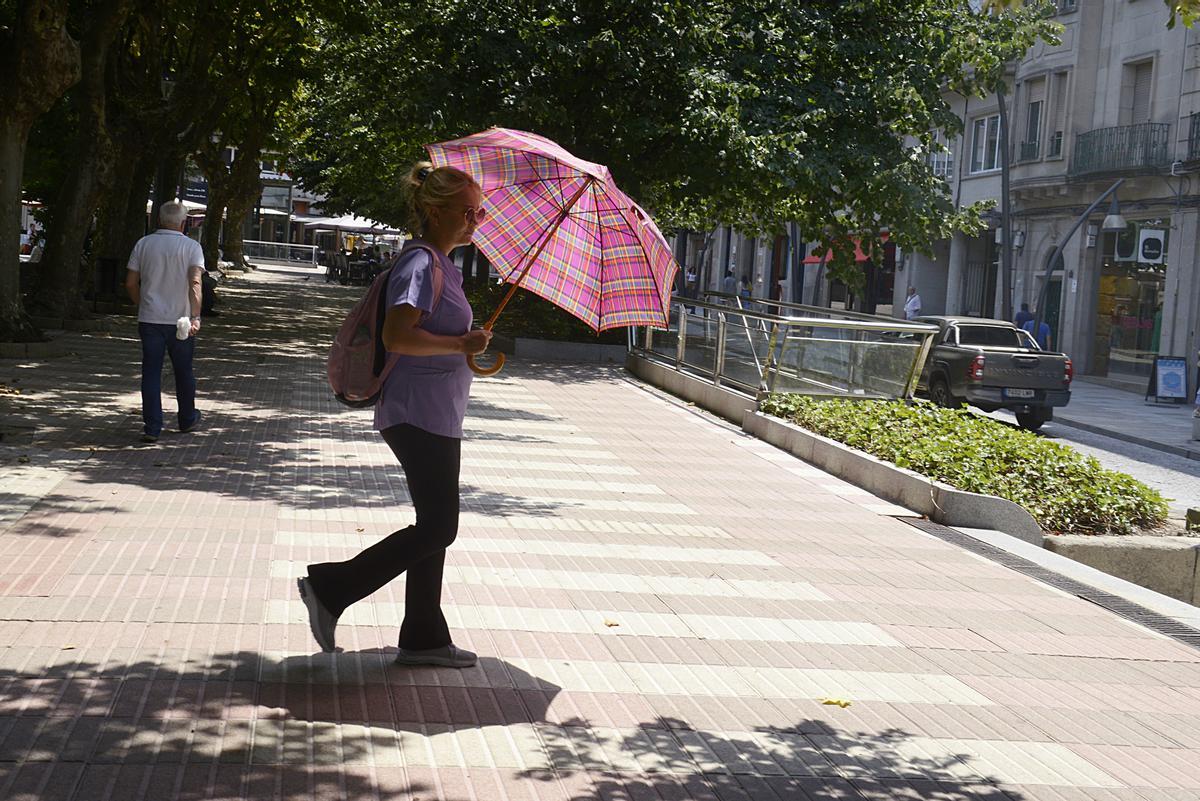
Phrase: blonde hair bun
(429, 187)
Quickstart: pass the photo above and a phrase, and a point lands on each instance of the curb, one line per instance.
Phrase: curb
(1166, 565)
(937, 501)
(1174, 450)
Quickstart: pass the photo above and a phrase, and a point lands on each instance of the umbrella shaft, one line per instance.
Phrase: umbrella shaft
(546, 237)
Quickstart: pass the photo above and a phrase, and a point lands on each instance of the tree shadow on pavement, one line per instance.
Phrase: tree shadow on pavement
(668, 758)
(240, 725)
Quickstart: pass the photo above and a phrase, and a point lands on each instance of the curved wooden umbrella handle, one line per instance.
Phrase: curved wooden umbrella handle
(486, 371)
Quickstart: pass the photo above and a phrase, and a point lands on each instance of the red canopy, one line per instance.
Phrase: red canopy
(858, 254)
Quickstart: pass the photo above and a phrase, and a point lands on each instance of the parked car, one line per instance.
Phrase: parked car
(992, 364)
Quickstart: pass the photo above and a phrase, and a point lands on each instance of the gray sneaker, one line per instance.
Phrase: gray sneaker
(320, 620)
(446, 656)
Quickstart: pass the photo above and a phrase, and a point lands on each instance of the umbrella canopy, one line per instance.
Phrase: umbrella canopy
(558, 226)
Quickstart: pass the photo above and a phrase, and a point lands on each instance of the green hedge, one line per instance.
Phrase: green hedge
(1065, 492)
(527, 315)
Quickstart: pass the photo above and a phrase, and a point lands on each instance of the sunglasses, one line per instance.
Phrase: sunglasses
(475, 215)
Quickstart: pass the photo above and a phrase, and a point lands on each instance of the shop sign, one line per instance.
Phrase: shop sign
(1150, 246)
(1168, 379)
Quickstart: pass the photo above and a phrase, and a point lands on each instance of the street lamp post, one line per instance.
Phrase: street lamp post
(1113, 223)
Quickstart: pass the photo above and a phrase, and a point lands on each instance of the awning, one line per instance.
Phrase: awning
(858, 254)
(190, 205)
(352, 224)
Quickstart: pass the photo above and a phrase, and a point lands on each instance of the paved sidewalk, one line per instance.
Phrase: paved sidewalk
(1128, 416)
(661, 604)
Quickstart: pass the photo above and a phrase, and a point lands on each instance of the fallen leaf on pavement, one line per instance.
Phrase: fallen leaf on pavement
(842, 702)
(610, 623)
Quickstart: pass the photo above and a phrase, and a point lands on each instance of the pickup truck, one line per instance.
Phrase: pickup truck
(993, 365)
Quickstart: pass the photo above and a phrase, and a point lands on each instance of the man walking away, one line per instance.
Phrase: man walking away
(912, 306)
(164, 281)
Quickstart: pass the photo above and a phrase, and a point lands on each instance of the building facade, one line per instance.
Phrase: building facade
(1117, 100)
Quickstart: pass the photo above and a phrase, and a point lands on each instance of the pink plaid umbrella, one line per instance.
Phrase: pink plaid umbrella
(560, 227)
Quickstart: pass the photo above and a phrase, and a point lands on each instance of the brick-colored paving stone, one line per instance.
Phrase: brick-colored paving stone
(661, 606)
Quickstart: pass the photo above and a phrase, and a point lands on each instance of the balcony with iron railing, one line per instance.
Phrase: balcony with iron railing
(1193, 153)
(1029, 151)
(1125, 148)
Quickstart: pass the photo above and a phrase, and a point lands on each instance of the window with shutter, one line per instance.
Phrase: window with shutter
(1142, 86)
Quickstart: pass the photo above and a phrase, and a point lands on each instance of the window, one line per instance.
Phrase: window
(1030, 147)
(985, 144)
(1056, 141)
(1057, 118)
(989, 336)
(1066, 6)
(942, 161)
(1142, 84)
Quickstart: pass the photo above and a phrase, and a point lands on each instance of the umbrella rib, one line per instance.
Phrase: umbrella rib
(600, 290)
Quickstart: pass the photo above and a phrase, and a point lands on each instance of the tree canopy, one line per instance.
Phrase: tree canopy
(752, 113)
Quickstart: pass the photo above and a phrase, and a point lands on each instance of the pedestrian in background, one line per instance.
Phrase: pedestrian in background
(912, 306)
(1043, 334)
(420, 415)
(163, 281)
(729, 283)
(1023, 316)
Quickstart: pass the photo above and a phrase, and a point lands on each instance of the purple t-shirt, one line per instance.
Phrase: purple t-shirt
(429, 392)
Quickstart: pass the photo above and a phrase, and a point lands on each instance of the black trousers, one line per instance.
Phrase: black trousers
(431, 465)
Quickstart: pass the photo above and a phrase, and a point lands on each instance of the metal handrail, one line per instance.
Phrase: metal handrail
(781, 333)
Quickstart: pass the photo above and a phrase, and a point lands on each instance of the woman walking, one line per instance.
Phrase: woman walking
(419, 414)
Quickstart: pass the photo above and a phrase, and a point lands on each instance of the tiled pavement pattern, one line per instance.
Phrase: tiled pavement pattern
(660, 603)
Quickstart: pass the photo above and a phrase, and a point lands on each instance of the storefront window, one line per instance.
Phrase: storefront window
(1133, 275)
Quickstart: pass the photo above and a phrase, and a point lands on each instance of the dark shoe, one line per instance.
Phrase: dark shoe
(192, 425)
(149, 437)
(446, 656)
(320, 620)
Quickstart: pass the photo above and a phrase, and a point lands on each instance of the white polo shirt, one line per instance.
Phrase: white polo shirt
(163, 260)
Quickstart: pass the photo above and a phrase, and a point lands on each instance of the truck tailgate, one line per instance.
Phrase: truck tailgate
(1024, 370)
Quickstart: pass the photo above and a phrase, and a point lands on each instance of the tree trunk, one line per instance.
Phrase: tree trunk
(89, 176)
(210, 159)
(13, 323)
(468, 265)
(39, 61)
(245, 190)
(166, 182)
(210, 237)
(136, 223)
(235, 223)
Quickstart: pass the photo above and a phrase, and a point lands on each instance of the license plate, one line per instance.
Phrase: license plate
(1019, 393)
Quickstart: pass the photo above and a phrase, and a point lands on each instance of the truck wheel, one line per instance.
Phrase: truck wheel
(939, 393)
(1032, 421)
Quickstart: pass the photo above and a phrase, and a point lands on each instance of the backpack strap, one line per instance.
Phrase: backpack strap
(439, 282)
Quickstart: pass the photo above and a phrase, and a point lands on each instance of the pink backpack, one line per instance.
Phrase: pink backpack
(358, 361)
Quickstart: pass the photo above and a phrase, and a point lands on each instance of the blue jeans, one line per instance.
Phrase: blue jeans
(159, 341)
